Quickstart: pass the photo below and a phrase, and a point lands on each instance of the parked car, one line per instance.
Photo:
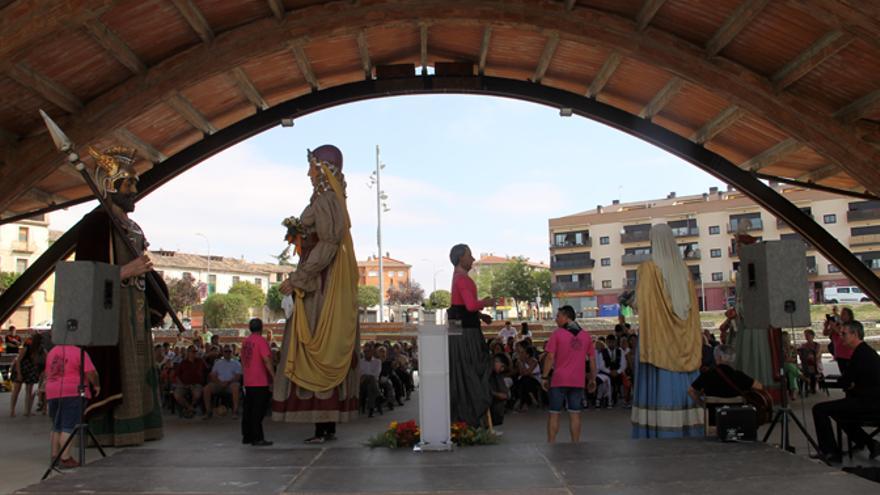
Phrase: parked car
(844, 294)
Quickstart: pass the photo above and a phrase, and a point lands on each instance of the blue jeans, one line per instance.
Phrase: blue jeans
(572, 397)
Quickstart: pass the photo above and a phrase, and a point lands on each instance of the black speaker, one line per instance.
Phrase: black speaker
(736, 423)
(86, 308)
(773, 280)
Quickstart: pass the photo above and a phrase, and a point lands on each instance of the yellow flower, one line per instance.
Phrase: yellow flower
(393, 425)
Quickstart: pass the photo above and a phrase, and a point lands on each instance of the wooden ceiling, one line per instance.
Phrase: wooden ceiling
(787, 88)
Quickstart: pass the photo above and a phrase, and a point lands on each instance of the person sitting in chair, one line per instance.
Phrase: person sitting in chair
(861, 383)
(722, 381)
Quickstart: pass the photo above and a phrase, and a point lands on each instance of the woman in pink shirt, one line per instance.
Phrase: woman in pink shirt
(842, 353)
(469, 360)
(62, 391)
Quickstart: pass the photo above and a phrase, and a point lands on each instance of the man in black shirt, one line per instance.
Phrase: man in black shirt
(861, 383)
(712, 383)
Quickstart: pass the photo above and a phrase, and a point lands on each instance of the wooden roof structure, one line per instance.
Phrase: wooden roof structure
(786, 88)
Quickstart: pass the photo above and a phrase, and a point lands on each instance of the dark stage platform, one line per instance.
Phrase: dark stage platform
(620, 467)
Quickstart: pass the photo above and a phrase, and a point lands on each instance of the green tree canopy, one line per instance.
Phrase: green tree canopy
(485, 281)
(6, 280)
(439, 299)
(411, 294)
(252, 294)
(182, 292)
(273, 299)
(222, 310)
(368, 296)
(542, 280)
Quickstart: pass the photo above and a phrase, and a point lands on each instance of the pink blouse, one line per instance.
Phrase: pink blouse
(464, 292)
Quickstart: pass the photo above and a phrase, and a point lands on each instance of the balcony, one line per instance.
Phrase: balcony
(572, 263)
(24, 247)
(572, 286)
(634, 259)
(693, 255)
(588, 242)
(757, 224)
(731, 251)
(856, 215)
(685, 231)
(812, 269)
(636, 236)
(864, 240)
(629, 283)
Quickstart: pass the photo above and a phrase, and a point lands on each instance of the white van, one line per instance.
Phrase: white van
(846, 294)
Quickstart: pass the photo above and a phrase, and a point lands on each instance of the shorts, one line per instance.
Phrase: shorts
(181, 390)
(572, 397)
(65, 412)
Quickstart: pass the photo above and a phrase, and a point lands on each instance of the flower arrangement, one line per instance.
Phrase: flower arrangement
(294, 235)
(408, 433)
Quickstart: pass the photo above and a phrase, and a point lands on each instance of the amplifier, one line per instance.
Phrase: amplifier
(737, 423)
(86, 311)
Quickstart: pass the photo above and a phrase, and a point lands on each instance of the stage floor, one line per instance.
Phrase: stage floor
(621, 467)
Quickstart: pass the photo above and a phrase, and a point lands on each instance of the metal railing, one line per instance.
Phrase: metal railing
(637, 236)
(571, 286)
(588, 242)
(757, 224)
(572, 263)
(685, 231)
(856, 215)
(634, 259)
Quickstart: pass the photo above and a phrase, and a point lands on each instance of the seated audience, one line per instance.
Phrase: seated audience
(527, 382)
(810, 354)
(369, 368)
(500, 392)
(611, 364)
(225, 378)
(190, 381)
(861, 384)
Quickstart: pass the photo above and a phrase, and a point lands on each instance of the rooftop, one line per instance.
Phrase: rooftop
(175, 259)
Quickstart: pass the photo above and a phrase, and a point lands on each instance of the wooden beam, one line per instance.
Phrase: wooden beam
(546, 57)
(191, 114)
(423, 47)
(738, 20)
(244, 84)
(604, 74)
(45, 87)
(662, 98)
(484, 48)
(569, 4)
(305, 68)
(772, 155)
(145, 150)
(195, 19)
(820, 173)
(647, 12)
(44, 197)
(120, 51)
(810, 58)
(859, 108)
(364, 51)
(277, 7)
(716, 126)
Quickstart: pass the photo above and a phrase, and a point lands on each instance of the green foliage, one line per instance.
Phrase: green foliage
(222, 310)
(368, 296)
(182, 292)
(252, 294)
(542, 280)
(273, 298)
(485, 281)
(439, 299)
(411, 294)
(515, 280)
(6, 280)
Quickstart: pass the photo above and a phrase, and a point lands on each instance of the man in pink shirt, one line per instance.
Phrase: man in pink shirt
(62, 391)
(256, 363)
(567, 352)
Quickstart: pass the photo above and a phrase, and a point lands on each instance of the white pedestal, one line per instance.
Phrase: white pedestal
(434, 411)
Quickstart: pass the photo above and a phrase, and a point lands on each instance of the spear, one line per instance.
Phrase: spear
(65, 145)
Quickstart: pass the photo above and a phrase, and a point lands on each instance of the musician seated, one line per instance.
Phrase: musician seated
(861, 383)
(722, 381)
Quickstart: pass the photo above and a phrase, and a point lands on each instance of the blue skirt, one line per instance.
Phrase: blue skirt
(661, 405)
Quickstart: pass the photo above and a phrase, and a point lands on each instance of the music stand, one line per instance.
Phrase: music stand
(784, 412)
(82, 427)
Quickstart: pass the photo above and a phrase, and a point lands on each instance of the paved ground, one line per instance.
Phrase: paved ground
(207, 457)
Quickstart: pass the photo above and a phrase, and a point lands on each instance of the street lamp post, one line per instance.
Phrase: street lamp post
(381, 207)
(208, 283)
(435, 271)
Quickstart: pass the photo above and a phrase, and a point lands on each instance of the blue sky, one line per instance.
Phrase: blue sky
(486, 171)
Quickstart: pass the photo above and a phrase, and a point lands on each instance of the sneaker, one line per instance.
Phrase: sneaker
(68, 463)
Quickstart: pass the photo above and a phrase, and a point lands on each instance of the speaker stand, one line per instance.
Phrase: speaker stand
(82, 428)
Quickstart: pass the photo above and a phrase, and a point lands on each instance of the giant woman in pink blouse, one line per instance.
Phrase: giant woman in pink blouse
(469, 359)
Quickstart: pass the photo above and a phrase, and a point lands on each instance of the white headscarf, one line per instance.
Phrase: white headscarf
(667, 257)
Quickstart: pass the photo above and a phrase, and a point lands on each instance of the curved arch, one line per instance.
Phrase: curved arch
(707, 160)
(804, 121)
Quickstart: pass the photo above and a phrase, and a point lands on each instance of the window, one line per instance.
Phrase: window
(212, 284)
(717, 276)
(715, 253)
(22, 234)
(606, 284)
(235, 279)
(279, 277)
(21, 265)
(714, 230)
(830, 218)
(604, 240)
(606, 261)
(833, 268)
(373, 273)
(401, 274)
(258, 281)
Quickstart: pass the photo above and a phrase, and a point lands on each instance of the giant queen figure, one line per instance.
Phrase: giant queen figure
(317, 379)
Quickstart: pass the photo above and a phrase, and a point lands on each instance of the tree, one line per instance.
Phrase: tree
(514, 280)
(6, 280)
(182, 292)
(368, 296)
(485, 281)
(411, 294)
(273, 299)
(439, 299)
(222, 310)
(252, 294)
(542, 280)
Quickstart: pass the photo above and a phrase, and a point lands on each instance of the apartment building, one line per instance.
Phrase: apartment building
(595, 254)
(21, 243)
(395, 273)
